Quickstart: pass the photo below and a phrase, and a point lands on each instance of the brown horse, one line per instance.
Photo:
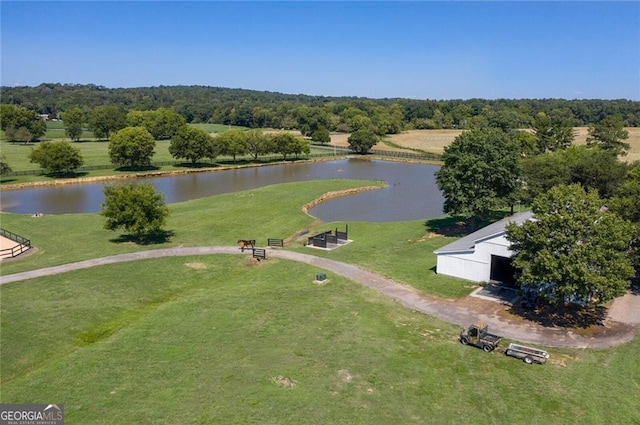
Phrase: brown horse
(246, 243)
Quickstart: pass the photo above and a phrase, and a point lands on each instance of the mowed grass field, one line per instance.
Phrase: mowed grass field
(222, 339)
(216, 340)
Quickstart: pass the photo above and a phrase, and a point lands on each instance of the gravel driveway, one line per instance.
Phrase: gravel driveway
(621, 325)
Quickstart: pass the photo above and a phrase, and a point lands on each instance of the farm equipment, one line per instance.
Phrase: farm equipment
(477, 334)
(527, 354)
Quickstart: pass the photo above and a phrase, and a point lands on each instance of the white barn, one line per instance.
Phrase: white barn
(481, 256)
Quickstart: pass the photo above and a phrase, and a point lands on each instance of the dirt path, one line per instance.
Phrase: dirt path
(460, 312)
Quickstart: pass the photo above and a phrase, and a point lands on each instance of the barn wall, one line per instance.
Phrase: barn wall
(474, 266)
(496, 246)
(463, 266)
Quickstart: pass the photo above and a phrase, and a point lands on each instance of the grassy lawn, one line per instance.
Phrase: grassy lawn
(218, 339)
(396, 250)
(217, 128)
(219, 220)
(222, 339)
(399, 251)
(94, 152)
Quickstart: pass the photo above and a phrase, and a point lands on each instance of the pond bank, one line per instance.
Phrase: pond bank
(146, 174)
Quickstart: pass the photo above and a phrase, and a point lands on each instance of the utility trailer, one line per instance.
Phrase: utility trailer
(527, 354)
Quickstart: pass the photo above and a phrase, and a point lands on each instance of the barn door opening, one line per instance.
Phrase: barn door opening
(502, 270)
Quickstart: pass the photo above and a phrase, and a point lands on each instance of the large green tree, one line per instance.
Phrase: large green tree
(4, 165)
(626, 203)
(573, 246)
(73, 120)
(137, 209)
(162, 123)
(310, 119)
(321, 135)
(104, 120)
(592, 168)
(132, 146)
(258, 143)
(232, 142)
(193, 144)
(552, 134)
(287, 144)
(21, 124)
(480, 173)
(609, 134)
(57, 157)
(361, 141)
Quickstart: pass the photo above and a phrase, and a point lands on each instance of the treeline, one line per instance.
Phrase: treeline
(260, 109)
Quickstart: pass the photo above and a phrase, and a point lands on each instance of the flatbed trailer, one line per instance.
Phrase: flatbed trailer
(527, 354)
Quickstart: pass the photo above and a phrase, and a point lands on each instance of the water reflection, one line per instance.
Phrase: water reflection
(411, 192)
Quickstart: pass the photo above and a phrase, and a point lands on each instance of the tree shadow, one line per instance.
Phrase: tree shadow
(460, 225)
(575, 317)
(197, 165)
(154, 238)
(67, 175)
(448, 226)
(635, 285)
(138, 168)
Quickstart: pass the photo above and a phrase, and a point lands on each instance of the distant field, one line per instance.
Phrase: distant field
(216, 128)
(633, 140)
(55, 125)
(435, 140)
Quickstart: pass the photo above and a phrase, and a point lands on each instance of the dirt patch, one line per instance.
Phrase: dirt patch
(561, 360)
(196, 266)
(253, 262)
(345, 375)
(282, 381)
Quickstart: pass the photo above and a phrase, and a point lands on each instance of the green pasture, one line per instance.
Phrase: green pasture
(217, 128)
(219, 339)
(219, 220)
(96, 153)
(222, 339)
(397, 250)
(55, 125)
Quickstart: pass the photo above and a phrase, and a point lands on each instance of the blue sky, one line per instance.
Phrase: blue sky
(419, 50)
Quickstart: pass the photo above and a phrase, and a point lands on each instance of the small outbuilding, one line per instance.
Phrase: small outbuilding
(482, 256)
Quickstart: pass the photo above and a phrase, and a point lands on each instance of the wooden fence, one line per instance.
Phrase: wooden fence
(260, 253)
(24, 244)
(272, 242)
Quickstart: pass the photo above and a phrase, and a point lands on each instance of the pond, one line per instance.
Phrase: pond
(411, 191)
